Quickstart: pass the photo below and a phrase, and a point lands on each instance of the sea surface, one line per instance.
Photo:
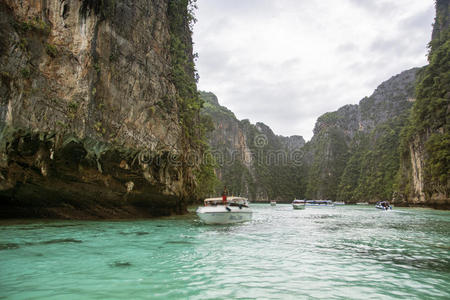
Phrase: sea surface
(347, 252)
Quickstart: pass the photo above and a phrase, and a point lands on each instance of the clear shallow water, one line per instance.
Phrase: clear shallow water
(346, 252)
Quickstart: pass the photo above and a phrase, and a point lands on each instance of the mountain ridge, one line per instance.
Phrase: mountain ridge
(322, 161)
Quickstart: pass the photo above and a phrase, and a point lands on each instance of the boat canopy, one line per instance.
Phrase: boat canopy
(319, 201)
(382, 202)
(218, 200)
(298, 201)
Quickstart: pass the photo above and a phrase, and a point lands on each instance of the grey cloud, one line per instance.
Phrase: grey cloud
(289, 93)
(347, 47)
(382, 45)
(397, 47)
(418, 21)
(235, 8)
(377, 7)
(217, 26)
(213, 61)
(283, 107)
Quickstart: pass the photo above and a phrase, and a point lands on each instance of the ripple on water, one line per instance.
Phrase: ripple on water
(134, 233)
(345, 253)
(60, 241)
(179, 242)
(9, 246)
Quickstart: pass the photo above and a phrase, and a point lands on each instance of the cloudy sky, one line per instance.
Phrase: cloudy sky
(286, 62)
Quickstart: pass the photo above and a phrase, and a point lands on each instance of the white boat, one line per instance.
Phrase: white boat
(319, 203)
(234, 210)
(339, 203)
(384, 205)
(298, 204)
(273, 203)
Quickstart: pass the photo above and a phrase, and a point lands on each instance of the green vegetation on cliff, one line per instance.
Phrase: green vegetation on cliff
(330, 152)
(113, 122)
(251, 160)
(354, 153)
(390, 146)
(184, 77)
(229, 164)
(370, 171)
(428, 126)
(183, 69)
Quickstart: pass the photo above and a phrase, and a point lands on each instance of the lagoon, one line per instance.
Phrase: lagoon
(346, 252)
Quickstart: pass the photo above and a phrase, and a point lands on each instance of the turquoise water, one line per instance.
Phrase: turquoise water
(341, 253)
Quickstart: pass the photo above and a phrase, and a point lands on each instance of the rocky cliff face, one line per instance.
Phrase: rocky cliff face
(353, 155)
(252, 160)
(390, 99)
(425, 166)
(393, 145)
(90, 115)
(344, 143)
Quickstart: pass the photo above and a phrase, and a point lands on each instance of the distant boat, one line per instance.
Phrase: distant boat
(273, 203)
(298, 204)
(384, 205)
(319, 203)
(362, 203)
(234, 210)
(339, 203)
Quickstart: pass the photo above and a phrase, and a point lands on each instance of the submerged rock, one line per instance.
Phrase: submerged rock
(121, 264)
(9, 246)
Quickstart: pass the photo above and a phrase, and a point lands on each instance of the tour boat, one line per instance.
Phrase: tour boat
(298, 204)
(384, 205)
(319, 203)
(273, 203)
(216, 211)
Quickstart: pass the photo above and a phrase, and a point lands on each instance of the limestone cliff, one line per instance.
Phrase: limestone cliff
(425, 166)
(251, 160)
(353, 154)
(93, 114)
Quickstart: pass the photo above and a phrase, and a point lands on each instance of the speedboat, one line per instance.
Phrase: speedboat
(298, 204)
(384, 205)
(273, 203)
(217, 211)
(319, 203)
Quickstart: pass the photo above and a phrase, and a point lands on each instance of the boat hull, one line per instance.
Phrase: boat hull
(383, 205)
(222, 215)
(298, 206)
(383, 208)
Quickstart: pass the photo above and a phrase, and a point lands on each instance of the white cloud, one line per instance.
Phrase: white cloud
(286, 62)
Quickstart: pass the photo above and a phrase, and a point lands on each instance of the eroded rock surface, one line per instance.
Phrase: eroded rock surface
(89, 113)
